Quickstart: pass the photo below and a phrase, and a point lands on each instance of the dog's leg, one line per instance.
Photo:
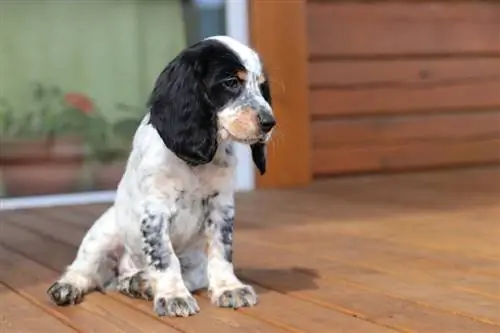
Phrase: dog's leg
(225, 288)
(194, 269)
(171, 296)
(133, 281)
(94, 265)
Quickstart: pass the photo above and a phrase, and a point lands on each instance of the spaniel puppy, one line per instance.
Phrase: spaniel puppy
(170, 229)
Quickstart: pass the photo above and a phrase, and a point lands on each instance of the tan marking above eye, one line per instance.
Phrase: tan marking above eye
(242, 75)
(262, 79)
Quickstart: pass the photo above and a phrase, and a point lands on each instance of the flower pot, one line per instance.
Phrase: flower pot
(41, 166)
(23, 151)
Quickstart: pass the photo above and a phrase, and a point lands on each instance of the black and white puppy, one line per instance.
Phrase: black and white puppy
(170, 229)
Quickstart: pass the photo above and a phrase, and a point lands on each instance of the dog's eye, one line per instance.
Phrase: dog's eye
(232, 84)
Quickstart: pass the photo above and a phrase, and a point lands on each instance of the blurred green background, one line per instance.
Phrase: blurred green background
(74, 77)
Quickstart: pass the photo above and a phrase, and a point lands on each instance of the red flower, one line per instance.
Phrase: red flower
(79, 102)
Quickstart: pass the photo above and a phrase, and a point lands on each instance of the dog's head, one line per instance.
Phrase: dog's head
(213, 90)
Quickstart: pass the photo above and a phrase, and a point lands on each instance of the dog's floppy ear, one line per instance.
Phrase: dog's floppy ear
(259, 156)
(181, 111)
(259, 150)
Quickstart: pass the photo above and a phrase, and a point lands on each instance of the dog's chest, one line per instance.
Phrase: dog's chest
(192, 194)
(188, 223)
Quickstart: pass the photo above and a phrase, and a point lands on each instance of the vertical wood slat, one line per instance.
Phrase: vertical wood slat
(278, 32)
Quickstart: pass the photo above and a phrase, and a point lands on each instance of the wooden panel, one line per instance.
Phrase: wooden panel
(351, 254)
(370, 131)
(273, 307)
(99, 313)
(405, 156)
(392, 28)
(341, 282)
(480, 95)
(283, 49)
(400, 72)
(108, 311)
(17, 315)
(283, 311)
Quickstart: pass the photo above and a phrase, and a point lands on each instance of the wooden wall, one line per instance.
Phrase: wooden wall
(403, 85)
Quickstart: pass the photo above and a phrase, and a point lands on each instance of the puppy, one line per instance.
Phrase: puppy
(170, 229)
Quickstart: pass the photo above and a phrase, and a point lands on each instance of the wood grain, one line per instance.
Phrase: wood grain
(98, 314)
(372, 131)
(283, 50)
(276, 308)
(376, 73)
(359, 290)
(400, 100)
(352, 254)
(409, 156)
(17, 315)
(217, 320)
(410, 28)
(403, 85)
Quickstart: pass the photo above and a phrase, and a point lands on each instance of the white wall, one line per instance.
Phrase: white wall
(237, 27)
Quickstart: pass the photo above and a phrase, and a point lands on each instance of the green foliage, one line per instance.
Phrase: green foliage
(53, 113)
(111, 141)
(47, 115)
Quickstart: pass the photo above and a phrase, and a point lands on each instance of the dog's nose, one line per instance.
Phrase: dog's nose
(267, 122)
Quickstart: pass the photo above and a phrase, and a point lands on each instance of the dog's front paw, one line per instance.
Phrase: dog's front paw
(175, 306)
(65, 294)
(237, 297)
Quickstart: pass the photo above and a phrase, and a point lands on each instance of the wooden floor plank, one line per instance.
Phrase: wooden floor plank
(274, 308)
(389, 258)
(382, 253)
(334, 288)
(433, 319)
(408, 289)
(18, 315)
(98, 314)
(401, 253)
(309, 317)
(213, 319)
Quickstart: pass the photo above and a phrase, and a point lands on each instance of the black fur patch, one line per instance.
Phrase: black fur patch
(153, 229)
(226, 232)
(259, 156)
(207, 207)
(259, 149)
(187, 95)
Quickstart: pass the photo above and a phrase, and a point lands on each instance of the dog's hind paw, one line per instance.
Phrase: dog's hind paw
(176, 306)
(136, 286)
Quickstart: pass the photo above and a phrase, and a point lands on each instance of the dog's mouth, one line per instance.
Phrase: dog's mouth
(251, 140)
(247, 139)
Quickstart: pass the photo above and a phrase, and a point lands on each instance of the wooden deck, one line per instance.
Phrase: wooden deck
(398, 253)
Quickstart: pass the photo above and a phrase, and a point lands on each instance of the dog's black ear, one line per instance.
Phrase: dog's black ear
(259, 149)
(259, 156)
(180, 109)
